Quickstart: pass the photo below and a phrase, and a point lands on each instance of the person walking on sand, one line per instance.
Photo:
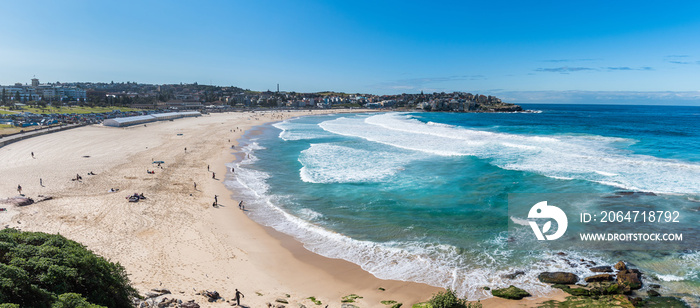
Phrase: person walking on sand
(208, 168)
(19, 189)
(213, 175)
(41, 182)
(238, 297)
(32, 154)
(195, 185)
(216, 199)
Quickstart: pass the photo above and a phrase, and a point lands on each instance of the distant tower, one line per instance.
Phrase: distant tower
(35, 82)
(278, 88)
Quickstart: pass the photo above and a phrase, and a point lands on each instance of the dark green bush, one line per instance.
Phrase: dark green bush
(37, 268)
(73, 300)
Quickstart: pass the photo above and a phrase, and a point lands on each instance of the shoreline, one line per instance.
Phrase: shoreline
(175, 239)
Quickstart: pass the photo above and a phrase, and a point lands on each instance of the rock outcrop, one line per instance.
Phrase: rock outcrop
(511, 292)
(558, 277)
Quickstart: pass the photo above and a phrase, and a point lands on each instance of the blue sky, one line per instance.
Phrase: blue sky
(381, 47)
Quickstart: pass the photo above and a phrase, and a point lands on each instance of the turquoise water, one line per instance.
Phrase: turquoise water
(424, 196)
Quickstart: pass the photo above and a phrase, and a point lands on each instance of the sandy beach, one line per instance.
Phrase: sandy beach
(175, 238)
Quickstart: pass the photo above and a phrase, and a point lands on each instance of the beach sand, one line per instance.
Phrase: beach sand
(175, 239)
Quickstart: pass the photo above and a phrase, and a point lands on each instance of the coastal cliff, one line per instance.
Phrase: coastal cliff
(467, 102)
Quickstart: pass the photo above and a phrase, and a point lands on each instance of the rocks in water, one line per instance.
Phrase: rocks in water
(599, 278)
(655, 286)
(596, 289)
(511, 292)
(653, 293)
(558, 277)
(620, 266)
(601, 269)
(513, 275)
(632, 278)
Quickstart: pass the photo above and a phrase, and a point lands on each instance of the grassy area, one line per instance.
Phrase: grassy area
(74, 109)
(3, 111)
(78, 110)
(6, 129)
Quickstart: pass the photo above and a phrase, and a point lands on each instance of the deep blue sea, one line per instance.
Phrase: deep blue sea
(424, 196)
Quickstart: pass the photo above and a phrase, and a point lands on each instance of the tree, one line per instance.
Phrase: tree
(3, 96)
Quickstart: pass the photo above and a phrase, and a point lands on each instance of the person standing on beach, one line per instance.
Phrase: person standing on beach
(213, 175)
(19, 189)
(32, 154)
(216, 199)
(195, 185)
(41, 182)
(208, 168)
(238, 297)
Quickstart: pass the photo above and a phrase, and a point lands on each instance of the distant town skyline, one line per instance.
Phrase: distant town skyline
(624, 51)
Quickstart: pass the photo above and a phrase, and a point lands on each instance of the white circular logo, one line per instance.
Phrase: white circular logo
(542, 210)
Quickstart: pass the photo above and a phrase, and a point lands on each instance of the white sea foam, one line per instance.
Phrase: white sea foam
(605, 173)
(520, 221)
(590, 158)
(334, 163)
(298, 131)
(670, 278)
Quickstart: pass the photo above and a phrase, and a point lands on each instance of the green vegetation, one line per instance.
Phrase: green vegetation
(664, 301)
(44, 270)
(73, 300)
(314, 300)
(332, 93)
(4, 111)
(350, 298)
(74, 109)
(447, 299)
(393, 304)
(601, 302)
(340, 106)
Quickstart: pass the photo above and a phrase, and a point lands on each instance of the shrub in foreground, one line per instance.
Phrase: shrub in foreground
(37, 269)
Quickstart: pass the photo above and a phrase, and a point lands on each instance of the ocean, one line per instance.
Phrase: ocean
(423, 197)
